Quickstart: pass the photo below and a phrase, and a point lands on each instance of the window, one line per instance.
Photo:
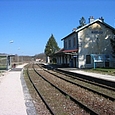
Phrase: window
(69, 43)
(74, 42)
(65, 44)
(88, 59)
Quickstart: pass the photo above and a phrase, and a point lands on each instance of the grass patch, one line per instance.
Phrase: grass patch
(3, 67)
(109, 71)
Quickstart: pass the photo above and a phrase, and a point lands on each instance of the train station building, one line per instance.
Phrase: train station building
(88, 46)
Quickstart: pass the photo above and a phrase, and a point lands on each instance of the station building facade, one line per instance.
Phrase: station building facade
(87, 46)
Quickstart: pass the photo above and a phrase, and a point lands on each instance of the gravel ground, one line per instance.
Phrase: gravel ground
(60, 104)
(12, 100)
(98, 103)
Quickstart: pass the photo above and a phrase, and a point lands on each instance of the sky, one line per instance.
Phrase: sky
(27, 25)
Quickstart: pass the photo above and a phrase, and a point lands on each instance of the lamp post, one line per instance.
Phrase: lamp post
(18, 56)
(22, 57)
(9, 58)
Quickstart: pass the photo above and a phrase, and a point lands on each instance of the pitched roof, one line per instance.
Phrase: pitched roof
(70, 51)
(85, 26)
(63, 51)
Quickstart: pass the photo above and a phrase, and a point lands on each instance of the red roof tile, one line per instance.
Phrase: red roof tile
(69, 51)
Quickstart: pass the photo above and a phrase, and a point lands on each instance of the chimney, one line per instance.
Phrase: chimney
(102, 19)
(91, 19)
(74, 29)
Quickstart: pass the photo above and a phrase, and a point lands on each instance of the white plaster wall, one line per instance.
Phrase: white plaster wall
(48, 59)
(94, 43)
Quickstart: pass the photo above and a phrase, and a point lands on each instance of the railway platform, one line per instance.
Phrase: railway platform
(108, 80)
(91, 74)
(82, 72)
(14, 95)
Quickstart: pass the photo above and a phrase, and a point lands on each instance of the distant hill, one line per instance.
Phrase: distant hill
(17, 58)
(3, 54)
(41, 56)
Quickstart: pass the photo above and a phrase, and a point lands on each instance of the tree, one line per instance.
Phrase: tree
(82, 22)
(113, 46)
(51, 46)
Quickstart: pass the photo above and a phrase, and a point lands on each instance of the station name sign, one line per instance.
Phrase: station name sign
(97, 32)
(100, 57)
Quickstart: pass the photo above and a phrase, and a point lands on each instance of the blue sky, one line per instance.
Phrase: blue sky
(30, 23)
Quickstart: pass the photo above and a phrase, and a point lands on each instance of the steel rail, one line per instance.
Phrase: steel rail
(48, 107)
(99, 93)
(91, 78)
(84, 80)
(73, 75)
(80, 85)
(90, 110)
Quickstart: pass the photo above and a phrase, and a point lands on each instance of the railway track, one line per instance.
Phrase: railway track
(106, 83)
(111, 109)
(49, 112)
(105, 91)
(69, 101)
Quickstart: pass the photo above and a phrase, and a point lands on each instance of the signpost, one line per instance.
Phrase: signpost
(100, 58)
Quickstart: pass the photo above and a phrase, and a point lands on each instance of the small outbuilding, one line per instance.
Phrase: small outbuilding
(5, 62)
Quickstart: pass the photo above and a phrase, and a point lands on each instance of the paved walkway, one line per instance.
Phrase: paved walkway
(12, 97)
